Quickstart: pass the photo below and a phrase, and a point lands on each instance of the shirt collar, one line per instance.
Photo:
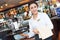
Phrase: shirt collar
(37, 16)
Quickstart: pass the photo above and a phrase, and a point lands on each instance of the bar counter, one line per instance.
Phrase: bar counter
(8, 34)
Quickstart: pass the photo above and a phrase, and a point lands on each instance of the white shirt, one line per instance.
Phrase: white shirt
(43, 24)
(16, 25)
(2, 20)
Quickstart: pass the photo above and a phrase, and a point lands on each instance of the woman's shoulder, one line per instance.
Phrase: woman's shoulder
(42, 14)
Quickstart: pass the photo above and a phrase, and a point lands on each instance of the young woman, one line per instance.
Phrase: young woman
(39, 24)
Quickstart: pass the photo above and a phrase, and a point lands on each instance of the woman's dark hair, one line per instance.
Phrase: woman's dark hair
(32, 2)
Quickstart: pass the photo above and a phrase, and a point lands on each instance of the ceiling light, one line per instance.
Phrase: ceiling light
(1, 6)
(6, 4)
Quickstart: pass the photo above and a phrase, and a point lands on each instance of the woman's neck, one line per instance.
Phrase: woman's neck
(35, 16)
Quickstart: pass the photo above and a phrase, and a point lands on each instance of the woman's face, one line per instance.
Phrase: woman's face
(33, 8)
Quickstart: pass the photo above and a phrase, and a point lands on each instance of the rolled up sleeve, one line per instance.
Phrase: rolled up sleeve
(31, 33)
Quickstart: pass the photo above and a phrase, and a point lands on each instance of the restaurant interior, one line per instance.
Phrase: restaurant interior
(15, 10)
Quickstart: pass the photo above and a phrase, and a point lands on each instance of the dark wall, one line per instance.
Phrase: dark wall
(56, 30)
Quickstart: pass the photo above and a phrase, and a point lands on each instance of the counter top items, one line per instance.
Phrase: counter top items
(5, 33)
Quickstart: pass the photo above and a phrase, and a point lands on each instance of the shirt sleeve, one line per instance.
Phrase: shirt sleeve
(48, 21)
(31, 33)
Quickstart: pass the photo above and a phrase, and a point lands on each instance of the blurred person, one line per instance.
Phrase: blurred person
(11, 17)
(39, 24)
(13, 12)
(41, 6)
(16, 24)
(6, 16)
(10, 21)
(27, 13)
(1, 18)
(55, 6)
(1, 21)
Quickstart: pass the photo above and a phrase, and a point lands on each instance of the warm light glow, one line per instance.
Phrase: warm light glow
(54, 1)
(1, 6)
(24, 1)
(6, 4)
(1, 9)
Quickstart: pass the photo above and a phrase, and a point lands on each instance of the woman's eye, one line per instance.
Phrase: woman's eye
(34, 6)
(31, 7)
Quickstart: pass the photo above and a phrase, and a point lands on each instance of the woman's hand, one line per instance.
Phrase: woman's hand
(35, 31)
(25, 35)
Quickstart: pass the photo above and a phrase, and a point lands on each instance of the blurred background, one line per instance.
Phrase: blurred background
(15, 14)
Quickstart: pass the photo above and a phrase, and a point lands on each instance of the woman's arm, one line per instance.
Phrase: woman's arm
(48, 21)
